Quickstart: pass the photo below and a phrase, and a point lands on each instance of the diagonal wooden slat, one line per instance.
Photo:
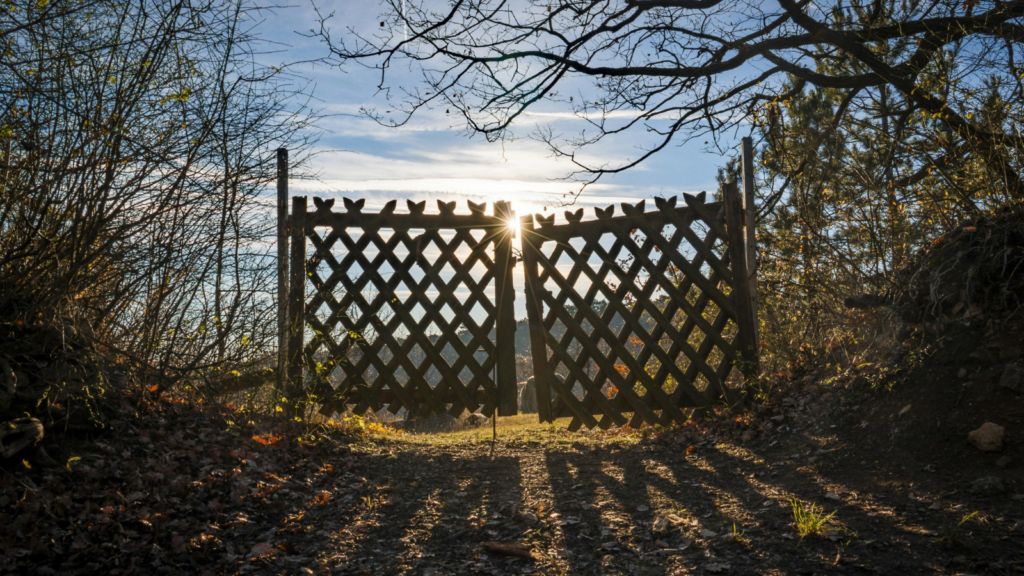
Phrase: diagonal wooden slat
(644, 280)
(355, 356)
(615, 302)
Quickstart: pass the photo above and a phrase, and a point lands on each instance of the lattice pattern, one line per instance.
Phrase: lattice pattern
(634, 312)
(404, 310)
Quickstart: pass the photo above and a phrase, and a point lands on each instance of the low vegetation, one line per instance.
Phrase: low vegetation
(810, 519)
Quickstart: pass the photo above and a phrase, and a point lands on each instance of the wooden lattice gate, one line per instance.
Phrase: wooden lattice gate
(408, 311)
(634, 318)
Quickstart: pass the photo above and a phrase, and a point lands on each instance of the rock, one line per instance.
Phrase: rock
(748, 435)
(987, 486)
(42, 459)
(476, 420)
(8, 384)
(444, 422)
(17, 435)
(529, 518)
(528, 397)
(1011, 377)
(983, 356)
(987, 438)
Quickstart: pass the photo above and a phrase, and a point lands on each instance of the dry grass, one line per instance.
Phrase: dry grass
(522, 427)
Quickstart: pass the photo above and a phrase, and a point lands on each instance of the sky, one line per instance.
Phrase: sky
(433, 158)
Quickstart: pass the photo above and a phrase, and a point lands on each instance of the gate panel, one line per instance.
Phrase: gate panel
(405, 309)
(633, 318)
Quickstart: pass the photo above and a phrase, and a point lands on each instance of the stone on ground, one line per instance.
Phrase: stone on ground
(987, 438)
(476, 420)
(987, 485)
(528, 397)
(1011, 377)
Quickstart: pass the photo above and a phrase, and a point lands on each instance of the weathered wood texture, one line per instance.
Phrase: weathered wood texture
(410, 310)
(750, 224)
(634, 318)
(282, 267)
(297, 298)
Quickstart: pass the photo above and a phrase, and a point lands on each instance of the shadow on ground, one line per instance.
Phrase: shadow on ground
(585, 505)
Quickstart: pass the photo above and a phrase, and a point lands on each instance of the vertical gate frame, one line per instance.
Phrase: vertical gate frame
(749, 222)
(297, 297)
(282, 268)
(505, 323)
(746, 341)
(535, 316)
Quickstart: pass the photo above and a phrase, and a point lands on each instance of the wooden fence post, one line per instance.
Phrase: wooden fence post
(297, 311)
(745, 340)
(505, 323)
(749, 210)
(535, 317)
(282, 267)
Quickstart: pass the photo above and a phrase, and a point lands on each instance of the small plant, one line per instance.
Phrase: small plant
(951, 536)
(355, 425)
(737, 534)
(810, 519)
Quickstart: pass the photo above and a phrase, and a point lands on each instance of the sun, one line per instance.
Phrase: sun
(513, 225)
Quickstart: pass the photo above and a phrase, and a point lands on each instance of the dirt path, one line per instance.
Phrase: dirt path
(197, 494)
(587, 505)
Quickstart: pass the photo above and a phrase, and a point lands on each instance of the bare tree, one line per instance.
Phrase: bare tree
(684, 70)
(135, 141)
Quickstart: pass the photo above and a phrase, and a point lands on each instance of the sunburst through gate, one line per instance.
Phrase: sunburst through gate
(409, 311)
(634, 318)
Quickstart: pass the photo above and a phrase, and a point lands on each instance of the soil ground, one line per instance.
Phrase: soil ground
(583, 504)
(596, 499)
(180, 489)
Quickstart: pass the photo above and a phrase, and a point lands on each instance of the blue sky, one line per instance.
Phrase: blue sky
(433, 158)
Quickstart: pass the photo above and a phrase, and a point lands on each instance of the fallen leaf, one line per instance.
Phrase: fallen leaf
(261, 549)
(509, 549)
(905, 409)
(178, 543)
